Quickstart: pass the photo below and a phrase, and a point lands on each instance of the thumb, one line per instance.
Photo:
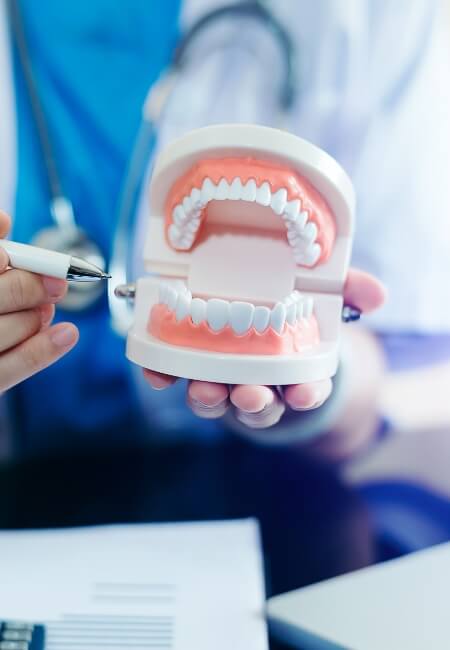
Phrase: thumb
(363, 291)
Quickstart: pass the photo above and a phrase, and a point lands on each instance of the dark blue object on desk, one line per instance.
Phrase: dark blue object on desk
(17, 635)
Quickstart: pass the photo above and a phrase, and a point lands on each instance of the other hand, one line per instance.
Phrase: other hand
(263, 406)
(28, 342)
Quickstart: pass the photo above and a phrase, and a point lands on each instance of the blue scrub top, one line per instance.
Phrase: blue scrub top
(94, 62)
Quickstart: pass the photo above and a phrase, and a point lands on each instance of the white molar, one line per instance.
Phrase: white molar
(195, 198)
(278, 201)
(171, 299)
(264, 194)
(208, 191)
(291, 312)
(223, 190)
(292, 210)
(310, 232)
(239, 315)
(261, 319)
(308, 256)
(179, 216)
(236, 190)
(278, 317)
(302, 234)
(198, 310)
(217, 313)
(187, 205)
(183, 307)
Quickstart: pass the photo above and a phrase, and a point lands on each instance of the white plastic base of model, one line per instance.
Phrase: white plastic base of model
(317, 364)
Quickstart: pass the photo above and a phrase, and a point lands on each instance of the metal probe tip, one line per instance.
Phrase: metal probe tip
(81, 270)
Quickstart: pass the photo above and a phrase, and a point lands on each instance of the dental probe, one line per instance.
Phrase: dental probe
(51, 263)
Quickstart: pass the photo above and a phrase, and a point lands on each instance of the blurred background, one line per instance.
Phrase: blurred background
(87, 441)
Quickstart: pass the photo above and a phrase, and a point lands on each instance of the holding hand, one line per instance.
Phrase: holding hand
(27, 306)
(262, 406)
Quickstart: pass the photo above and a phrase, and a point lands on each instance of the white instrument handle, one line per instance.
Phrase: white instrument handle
(36, 260)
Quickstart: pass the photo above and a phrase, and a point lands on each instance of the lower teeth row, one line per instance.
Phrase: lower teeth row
(241, 316)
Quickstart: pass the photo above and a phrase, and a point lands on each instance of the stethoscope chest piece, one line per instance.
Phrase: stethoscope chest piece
(74, 241)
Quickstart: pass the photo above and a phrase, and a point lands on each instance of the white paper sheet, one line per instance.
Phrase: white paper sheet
(170, 586)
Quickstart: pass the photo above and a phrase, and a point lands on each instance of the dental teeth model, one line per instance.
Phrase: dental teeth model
(249, 241)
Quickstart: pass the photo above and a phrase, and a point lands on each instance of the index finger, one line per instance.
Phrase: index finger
(21, 290)
(5, 224)
(4, 260)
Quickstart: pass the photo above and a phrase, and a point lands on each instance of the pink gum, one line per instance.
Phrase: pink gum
(294, 339)
(261, 171)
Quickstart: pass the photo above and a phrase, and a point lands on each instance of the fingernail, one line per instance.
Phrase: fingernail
(47, 312)
(268, 417)
(55, 287)
(161, 386)
(207, 394)
(199, 402)
(206, 410)
(212, 403)
(253, 403)
(63, 335)
(309, 405)
(264, 412)
(301, 407)
(303, 398)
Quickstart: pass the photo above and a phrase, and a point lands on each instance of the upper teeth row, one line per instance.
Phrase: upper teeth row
(241, 316)
(301, 233)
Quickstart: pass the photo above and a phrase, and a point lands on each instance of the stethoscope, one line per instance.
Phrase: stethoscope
(65, 234)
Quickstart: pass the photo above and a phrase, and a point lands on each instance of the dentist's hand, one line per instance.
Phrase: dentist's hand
(262, 406)
(27, 307)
